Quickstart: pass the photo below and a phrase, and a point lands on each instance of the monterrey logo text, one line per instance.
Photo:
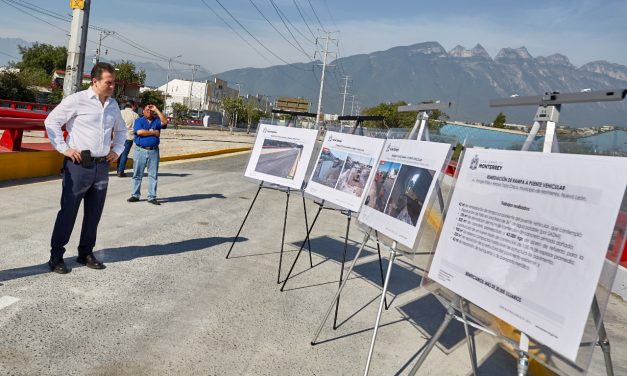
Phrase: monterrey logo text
(487, 165)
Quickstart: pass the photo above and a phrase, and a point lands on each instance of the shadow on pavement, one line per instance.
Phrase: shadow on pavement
(427, 313)
(111, 255)
(181, 175)
(401, 279)
(192, 197)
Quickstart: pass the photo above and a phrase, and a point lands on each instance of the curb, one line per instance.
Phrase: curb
(204, 154)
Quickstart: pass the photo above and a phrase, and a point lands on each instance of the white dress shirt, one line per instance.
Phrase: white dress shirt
(88, 123)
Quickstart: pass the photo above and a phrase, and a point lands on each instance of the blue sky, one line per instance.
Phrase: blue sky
(583, 30)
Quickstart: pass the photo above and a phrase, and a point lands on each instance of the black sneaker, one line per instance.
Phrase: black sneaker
(57, 265)
(154, 202)
(132, 199)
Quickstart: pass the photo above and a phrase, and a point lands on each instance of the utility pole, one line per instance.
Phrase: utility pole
(194, 69)
(167, 82)
(324, 66)
(73, 79)
(352, 105)
(106, 33)
(344, 96)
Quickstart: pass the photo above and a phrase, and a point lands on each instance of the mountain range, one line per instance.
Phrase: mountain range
(467, 77)
(420, 72)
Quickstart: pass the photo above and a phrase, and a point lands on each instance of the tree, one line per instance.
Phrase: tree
(179, 111)
(42, 56)
(499, 121)
(392, 117)
(253, 114)
(234, 107)
(436, 118)
(151, 97)
(13, 88)
(126, 73)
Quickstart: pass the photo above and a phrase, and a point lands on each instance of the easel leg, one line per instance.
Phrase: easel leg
(604, 341)
(337, 304)
(450, 313)
(469, 342)
(376, 234)
(287, 203)
(339, 291)
(244, 221)
(306, 229)
(376, 323)
(301, 248)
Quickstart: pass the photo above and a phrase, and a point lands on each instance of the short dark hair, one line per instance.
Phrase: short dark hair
(129, 104)
(96, 71)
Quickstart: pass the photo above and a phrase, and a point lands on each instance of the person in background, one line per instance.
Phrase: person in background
(90, 117)
(129, 114)
(147, 137)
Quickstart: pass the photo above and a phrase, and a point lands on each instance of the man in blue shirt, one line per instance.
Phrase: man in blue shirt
(147, 132)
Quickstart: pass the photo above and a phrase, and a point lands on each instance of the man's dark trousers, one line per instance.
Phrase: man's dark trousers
(124, 156)
(80, 184)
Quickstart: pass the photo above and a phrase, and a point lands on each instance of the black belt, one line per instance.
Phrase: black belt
(148, 147)
(93, 160)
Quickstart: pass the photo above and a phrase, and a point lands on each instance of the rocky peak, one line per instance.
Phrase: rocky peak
(616, 71)
(513, 53)
(462, 52)
(427, 48)
(555, 59)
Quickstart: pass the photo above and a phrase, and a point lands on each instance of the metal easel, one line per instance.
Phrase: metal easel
(547, 115)
(420, 128)
(348, 214)
(287, 203)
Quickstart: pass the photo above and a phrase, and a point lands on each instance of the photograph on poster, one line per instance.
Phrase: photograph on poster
(281, 155)
(381, 186)
(329, 167)
(279, 158)
(354, 175)
(409, 194)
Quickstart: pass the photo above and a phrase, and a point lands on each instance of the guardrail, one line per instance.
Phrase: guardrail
(16, 109)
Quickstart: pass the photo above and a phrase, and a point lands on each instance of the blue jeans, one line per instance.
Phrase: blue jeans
(124, 156)
(145, 158)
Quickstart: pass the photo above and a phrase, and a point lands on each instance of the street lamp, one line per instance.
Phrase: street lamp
(165, 99)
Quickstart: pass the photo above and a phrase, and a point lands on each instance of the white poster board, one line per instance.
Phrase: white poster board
(343, 169)
(281, 155)
(405, 176)
(526, 235)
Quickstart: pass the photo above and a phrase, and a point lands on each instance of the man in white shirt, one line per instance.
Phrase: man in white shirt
(129, 114)
(90, 117)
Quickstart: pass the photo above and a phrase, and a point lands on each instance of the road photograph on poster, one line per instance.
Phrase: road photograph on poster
(279, 158)
(401, 188)
(281, 155)
(344, 169)
(525, 238)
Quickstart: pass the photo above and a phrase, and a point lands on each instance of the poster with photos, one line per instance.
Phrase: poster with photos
(344, 169)
(281, 155)
(404, 179)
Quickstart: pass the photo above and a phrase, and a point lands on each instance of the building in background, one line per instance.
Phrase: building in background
(292, 104)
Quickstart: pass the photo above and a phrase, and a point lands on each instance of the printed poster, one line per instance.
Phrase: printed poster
(526, 235)
(281, 155)
(344, 168)
(404, 179)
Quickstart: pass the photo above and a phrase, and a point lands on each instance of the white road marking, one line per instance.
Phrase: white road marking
(6, 301)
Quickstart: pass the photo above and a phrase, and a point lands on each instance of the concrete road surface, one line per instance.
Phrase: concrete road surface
(169, 303)
(277, 162)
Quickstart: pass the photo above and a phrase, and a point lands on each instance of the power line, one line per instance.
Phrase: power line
(316, 14)
(284, 16)
(252, 36)
(277, 30)
(278, 12)
(303, 18)
(236, 32)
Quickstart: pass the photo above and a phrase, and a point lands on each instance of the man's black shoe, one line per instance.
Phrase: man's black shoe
(90, 261)
(121, 174)
(57, 265)
(154, 201)
(132, 199)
